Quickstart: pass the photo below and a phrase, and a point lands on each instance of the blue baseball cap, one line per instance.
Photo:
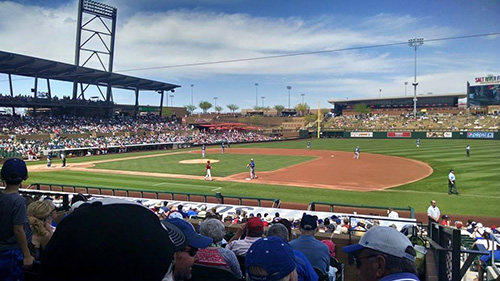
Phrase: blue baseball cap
(386, 240)
(193, 239)
(272, 254)
(14, 171)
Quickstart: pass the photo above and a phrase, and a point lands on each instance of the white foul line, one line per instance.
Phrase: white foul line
(183, 184)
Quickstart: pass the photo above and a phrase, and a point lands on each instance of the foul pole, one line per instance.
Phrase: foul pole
(319, 118)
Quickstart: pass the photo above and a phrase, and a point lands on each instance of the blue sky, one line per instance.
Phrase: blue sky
(154, 33)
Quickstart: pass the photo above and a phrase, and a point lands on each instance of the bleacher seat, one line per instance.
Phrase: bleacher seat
(321, 275)
(334, 262)
(211, 273)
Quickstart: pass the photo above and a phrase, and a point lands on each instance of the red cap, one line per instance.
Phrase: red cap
(255, 227)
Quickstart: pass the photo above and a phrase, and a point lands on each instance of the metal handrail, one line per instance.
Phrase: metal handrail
(60, 187)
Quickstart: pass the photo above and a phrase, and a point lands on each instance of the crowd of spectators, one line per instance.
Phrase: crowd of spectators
(28, 125)
(405, 122)
(120, 131)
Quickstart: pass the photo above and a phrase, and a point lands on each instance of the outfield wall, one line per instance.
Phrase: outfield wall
(412, 134)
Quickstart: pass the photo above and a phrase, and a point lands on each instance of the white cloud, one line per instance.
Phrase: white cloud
(184, 36)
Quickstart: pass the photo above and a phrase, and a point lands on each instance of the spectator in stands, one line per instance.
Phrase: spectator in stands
(305, 271)
(271, 259)
(40, 220)
(384, 253)
(193, 212)
(115, 241)
(316, 252)
(330, 245)
(203, 212)
(329, 226)
(215, 255)
(445, 220)
(392, 214)
(184, 256)
(489, 244)
(254, 228)
(181, 211)
(15, 233)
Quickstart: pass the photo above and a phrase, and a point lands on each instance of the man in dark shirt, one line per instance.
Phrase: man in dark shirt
(15, 233)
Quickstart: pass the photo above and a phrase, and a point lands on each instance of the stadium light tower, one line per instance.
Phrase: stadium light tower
(406, 87)
(256, 94)
(415, 43)
(379, 93)
(302, 98)
(262, 101)
(171, 100)
(289, 88)
(215, 101)
(192, 85)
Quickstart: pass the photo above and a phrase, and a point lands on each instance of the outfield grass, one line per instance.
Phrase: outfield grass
(478, 177)
(229, 164)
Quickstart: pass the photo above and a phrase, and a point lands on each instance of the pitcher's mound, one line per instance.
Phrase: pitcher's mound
(198, 161)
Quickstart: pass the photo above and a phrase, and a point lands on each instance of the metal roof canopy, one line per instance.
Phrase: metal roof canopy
(458, 95)
(17, 64)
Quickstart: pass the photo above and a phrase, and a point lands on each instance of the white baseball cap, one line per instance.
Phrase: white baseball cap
(385, 240)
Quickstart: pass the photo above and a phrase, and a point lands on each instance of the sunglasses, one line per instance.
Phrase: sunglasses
(357, 261)
(191, 251)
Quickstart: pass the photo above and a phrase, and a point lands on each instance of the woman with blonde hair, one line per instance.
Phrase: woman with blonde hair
(40, 220)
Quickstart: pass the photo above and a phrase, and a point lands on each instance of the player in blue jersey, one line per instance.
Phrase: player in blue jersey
(308, 145)
(222, 146)
(356, 152)
(418, 143)
(251, 165)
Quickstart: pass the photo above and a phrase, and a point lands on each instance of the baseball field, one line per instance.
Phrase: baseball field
(390, 172)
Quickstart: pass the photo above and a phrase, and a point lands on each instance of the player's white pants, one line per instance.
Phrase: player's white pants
(252, 174)
(208, 175)
(203, 153)
(356, 155)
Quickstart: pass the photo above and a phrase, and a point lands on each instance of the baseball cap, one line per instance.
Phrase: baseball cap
(14, 171)
(386, 240)
(274, 255)
(175, 215)
(255, 226)
(193, 239)
(130, 240)
(309, 222)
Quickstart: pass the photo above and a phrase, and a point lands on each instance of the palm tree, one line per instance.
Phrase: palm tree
(233, 107)
(205, 105)
(279, 109)
(302, 107)
(190, 108)
(218, 108)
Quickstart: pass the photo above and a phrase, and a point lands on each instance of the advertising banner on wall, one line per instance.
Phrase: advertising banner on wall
(438, 134)
(399, 134)
(480, 135)
(361, 134)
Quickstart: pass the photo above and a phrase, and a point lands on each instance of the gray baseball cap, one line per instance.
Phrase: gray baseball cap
(386, 240)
